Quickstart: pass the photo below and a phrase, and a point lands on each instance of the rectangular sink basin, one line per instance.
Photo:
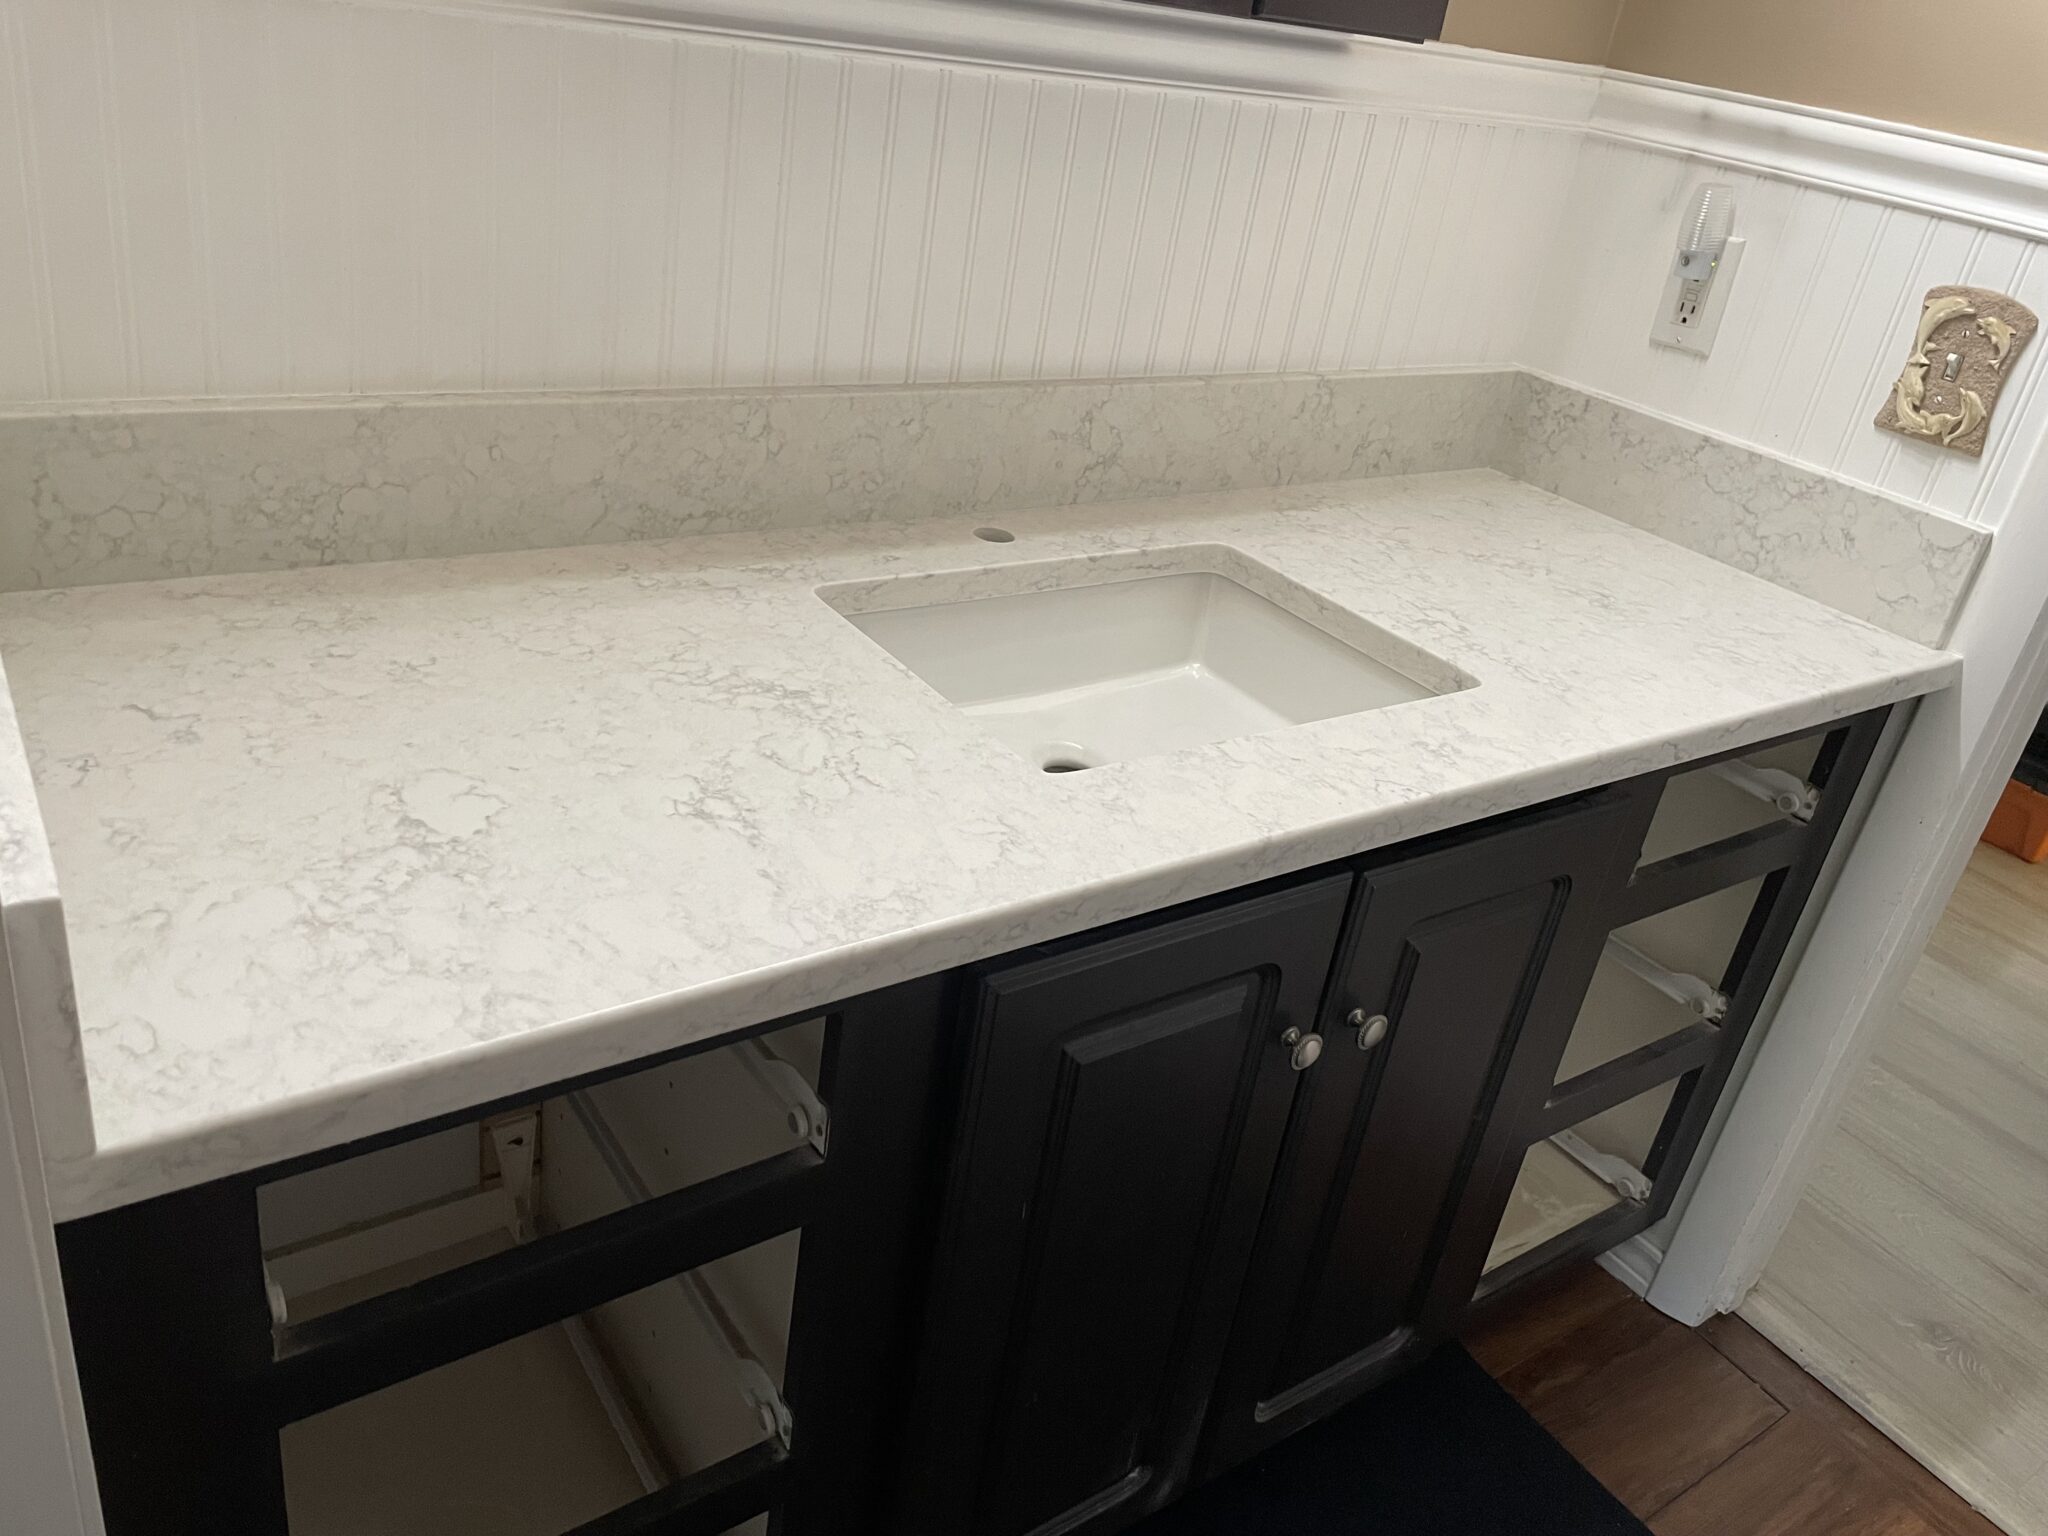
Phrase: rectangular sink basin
(1075, 676)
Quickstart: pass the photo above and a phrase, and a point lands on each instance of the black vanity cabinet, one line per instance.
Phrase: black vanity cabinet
(1094, 1220)
(1136, 1107)
(1450, 952)
(1215, 1174)
(1123, 1102)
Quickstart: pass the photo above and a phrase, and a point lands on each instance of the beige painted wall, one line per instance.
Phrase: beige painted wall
(1578, 30)
(1965, 66)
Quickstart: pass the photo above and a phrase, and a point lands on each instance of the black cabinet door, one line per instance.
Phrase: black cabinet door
(1415, 21)
(1122, 1107)
(1456, 948)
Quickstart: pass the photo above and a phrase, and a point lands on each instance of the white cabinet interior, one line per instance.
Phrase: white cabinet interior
(571, 1421)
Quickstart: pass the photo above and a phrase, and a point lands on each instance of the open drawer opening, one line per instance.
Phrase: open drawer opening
(1662, 986)
(374, 1224)
(1719, 802)
(1576, 1176)
(548, 1431)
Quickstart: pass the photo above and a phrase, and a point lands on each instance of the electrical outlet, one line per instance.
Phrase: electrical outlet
(1690, 315)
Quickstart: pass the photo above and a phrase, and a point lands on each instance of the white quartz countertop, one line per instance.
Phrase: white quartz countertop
(341, 849)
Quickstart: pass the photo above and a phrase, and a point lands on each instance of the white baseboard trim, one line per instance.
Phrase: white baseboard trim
(1634, 1263)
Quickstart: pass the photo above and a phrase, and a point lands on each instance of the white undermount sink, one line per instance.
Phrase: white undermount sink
(1072, 676)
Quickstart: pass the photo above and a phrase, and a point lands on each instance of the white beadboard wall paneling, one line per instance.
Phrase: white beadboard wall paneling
(1118, 40)
(210, 198)
(27, 350)
(311, 77)
(260, 197)
(1816, 329)
(59, 58)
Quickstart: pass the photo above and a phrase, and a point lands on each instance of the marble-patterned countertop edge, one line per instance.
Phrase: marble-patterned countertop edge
(1428, 558)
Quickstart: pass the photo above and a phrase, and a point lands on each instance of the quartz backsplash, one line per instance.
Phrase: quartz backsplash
(139, 493)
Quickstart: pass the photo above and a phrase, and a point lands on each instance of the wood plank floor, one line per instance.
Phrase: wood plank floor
(1914, 1277)
(1707, 1432)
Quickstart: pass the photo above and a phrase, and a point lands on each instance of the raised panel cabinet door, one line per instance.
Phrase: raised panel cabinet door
(1413, 21)
(1451, 953)
(1122, 1106)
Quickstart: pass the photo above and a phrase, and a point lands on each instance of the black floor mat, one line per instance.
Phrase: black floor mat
(1441, 1451)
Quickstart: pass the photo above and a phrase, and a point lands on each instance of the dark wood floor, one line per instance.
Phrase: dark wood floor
(1709, 1431)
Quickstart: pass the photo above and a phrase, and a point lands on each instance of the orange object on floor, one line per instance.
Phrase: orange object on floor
(2020, 824)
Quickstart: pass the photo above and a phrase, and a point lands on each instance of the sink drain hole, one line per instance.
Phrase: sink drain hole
(1066, 757)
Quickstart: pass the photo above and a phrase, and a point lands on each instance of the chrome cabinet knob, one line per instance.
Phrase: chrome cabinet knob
(1371, 1027)
(1304, 1051)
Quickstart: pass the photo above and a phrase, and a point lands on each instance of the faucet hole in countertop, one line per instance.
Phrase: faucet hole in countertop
(995, 535)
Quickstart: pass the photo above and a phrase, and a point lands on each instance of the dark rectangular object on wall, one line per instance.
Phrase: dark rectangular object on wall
(1416, 21)
(1213, 7)
(1413, 21)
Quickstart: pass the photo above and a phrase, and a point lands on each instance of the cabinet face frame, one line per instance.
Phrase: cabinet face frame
(1789, 860)
(187, 1383)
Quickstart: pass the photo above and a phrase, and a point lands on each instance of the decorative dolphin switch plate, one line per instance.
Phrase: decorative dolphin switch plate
(1966, 346)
